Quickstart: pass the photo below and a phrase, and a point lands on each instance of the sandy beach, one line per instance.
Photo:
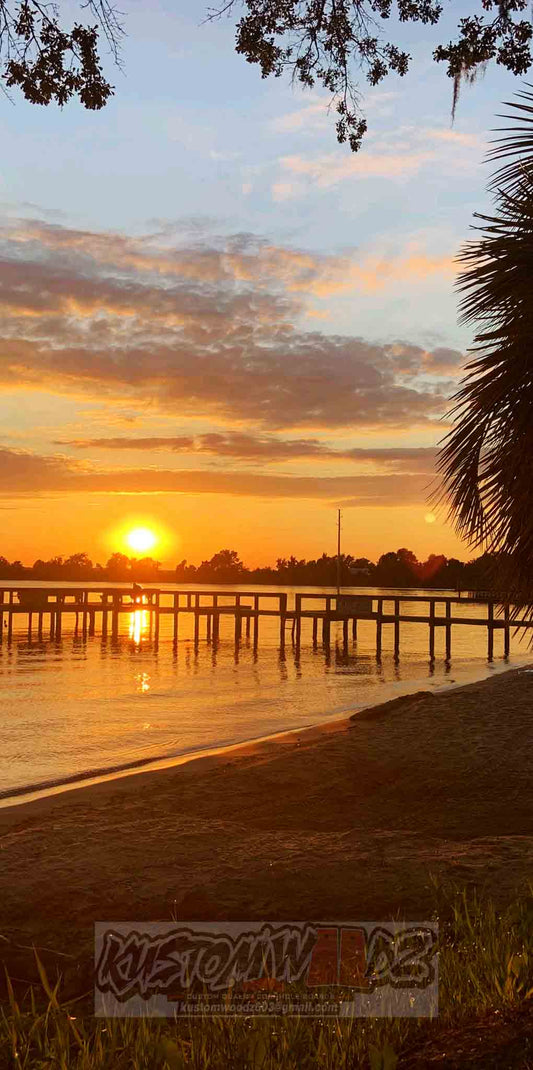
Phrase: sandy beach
(350, 821)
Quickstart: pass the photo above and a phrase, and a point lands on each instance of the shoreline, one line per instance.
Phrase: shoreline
(82, 789)
(27, 794)
(352, 819)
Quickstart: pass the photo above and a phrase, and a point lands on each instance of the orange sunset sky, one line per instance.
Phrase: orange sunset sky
(218, 323)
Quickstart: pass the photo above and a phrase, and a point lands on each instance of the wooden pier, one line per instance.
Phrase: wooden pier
(43, 612)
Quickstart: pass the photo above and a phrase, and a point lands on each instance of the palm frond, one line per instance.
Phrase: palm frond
(486, 460)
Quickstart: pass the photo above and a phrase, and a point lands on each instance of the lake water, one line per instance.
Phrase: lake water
(79, 707)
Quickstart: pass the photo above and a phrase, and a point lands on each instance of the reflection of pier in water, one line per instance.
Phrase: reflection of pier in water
(106, 608)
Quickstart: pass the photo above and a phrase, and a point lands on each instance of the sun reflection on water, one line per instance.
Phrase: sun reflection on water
(139, 625)
(143, 685)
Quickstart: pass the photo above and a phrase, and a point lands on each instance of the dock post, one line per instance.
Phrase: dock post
(282, 619)
(379, 628)
(326, 624)
(10, 618)
(248, 625)
(216, 620)
(114, 619)
(354, 629)
(30, 617)
(196, 619)
(209, 618)
(59, 622)
(256, 620)
(298, 619)
(157, 615)
(432, 630)
(396, 629)
(448, 631)
(238, 619)
(40, 626)
(506, 633)
(52, 623)
(1, 616)
(92, 621)
(490, 629)
(104, 616)
(345, 636)
(315, 631)
(176, 615)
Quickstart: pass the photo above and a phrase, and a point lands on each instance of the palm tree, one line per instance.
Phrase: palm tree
(486, 460)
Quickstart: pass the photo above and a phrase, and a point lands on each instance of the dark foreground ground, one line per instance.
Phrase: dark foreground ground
(352, 821)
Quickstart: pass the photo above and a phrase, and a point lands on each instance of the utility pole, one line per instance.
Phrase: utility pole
(338, 551)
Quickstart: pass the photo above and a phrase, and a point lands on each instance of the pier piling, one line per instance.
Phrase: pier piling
(88, 609)
(397, 629)
(379, 629)
(432, 630)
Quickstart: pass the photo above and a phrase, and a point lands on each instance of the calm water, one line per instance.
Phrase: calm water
(75, 707)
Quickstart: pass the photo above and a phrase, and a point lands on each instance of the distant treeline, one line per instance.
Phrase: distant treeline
(399, 568)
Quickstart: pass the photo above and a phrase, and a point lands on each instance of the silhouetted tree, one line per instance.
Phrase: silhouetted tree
(144, 568)
(225, 565)
(49, 62)
(486, 458)
(118, 567)
(397, 569)
(78, 565)
(326, 44)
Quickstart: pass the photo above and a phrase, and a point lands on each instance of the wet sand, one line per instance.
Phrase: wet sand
(350, 821)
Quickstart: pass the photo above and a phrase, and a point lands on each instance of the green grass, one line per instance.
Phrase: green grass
(485, 997)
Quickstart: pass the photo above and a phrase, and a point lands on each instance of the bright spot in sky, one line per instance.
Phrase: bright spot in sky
(141, 539)
(430, 518)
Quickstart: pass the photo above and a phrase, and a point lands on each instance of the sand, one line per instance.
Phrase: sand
(351, 821)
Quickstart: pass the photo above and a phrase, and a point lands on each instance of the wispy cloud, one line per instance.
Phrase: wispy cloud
(329, 170)
(23, 473)
(266, 448)
(311, 115)
(395, 158)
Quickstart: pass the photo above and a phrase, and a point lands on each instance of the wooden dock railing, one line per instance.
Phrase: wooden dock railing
(107, 606)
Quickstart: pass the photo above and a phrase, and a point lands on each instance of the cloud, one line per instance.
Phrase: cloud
(310, 116)
(249, 447)
(454, 137)
(283, 191)
(23, 473)
(329, 170)
(441, 360)
(399, 157)
(206, 327)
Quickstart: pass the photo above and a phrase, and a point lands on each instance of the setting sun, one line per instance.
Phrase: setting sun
(141, 539)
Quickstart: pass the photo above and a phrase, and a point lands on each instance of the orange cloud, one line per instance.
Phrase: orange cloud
(24, 473)
(88, 314)
(265, 448)
(327, 171)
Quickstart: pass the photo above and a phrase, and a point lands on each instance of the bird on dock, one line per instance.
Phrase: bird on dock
(137, 592)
